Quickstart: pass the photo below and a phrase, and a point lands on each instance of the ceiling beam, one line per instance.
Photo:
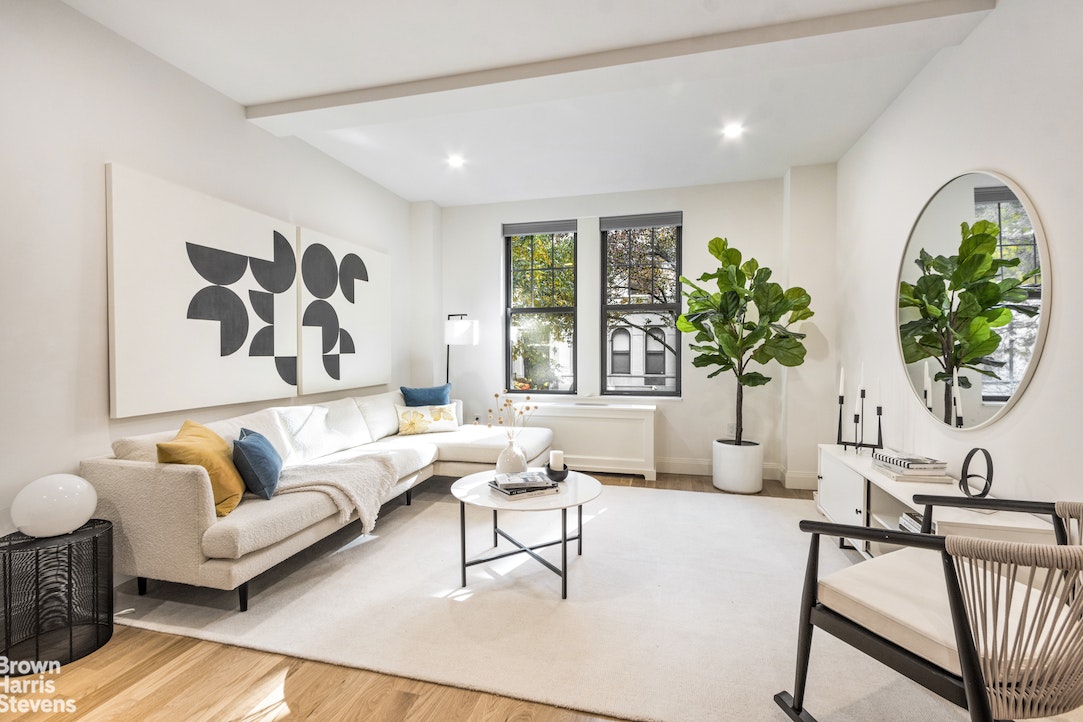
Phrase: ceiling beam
(812, 27)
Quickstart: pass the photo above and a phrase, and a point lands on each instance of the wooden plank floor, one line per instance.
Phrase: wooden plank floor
(142, 675)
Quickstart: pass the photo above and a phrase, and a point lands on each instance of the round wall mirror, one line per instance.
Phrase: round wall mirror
(973, 299)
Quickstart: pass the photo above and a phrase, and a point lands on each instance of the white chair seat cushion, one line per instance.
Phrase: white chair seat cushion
(881, 594)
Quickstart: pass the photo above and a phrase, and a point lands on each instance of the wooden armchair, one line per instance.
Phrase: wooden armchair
(994, 627)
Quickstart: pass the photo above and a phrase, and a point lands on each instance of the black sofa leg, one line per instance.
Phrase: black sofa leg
(242, 594)
(409, 499)
(141, 585)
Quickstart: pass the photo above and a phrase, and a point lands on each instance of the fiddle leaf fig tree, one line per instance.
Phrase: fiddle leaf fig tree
(741, 322)
(960, 300)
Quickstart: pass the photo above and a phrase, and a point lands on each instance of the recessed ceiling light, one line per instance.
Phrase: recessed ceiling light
(732, 130)
(455, 161)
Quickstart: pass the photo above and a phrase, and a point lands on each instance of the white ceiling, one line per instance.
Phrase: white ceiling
(553, 98)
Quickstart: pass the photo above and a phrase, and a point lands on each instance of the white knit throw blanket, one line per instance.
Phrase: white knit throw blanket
(357, 487)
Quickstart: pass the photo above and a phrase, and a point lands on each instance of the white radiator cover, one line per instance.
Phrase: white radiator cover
(598, 436)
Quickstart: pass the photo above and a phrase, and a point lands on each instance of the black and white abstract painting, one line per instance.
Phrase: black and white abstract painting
(345, 294)
(210, 303)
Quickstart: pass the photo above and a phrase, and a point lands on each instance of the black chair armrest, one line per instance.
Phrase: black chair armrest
(890, 536)
(1016, 505)
(966, 502)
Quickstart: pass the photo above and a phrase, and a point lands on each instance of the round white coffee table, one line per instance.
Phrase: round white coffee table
(575, 491)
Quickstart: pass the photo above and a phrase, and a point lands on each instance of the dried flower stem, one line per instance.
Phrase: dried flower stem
(510, 415)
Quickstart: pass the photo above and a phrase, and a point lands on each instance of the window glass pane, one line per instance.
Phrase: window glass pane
(543, 289)
(542, 351)
(620, 343)
(656, 356)
(564, 287)
(521, 290)
(642, 364)
(564, 250)
(521, 251)
(543, 251)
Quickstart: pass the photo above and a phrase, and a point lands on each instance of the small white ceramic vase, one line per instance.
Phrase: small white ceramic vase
(511, 460)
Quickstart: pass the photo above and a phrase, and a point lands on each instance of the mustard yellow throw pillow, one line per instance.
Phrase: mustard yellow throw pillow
(196, 444)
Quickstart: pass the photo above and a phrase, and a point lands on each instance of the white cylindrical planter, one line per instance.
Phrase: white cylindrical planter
(738, 469)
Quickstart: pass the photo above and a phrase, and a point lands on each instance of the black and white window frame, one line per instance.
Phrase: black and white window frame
(641, 298)
(543, 304)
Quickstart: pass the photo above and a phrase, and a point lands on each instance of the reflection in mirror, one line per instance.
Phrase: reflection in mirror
(971, 299)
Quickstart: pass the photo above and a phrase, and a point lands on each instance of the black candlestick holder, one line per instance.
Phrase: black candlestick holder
(859, 426)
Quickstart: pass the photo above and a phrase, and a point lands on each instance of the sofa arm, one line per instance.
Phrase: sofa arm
(159, 514)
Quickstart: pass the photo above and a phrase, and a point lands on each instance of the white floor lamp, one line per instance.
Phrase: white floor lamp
(458, 331)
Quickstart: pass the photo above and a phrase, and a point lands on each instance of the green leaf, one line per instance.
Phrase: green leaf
(753, 378)
(787, 351)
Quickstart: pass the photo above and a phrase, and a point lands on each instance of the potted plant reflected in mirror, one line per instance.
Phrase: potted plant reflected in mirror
(960, 301)
(736, 324)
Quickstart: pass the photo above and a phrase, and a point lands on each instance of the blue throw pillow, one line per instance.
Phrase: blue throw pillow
(258, 461)
(428, 396)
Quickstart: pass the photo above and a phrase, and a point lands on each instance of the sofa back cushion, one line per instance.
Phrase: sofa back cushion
(321, 429)
(264, 422)
(379, 412)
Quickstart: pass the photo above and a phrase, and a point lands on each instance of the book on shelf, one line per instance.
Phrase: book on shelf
(911, 521)
(523, 480)
(936, 476)
(904, 460)
(898, 470)
(525, 493)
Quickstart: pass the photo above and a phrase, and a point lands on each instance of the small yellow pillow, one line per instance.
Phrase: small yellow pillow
(426, 419)
(196, 444)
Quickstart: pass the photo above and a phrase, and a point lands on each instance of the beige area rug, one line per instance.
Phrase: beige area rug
(683, 607)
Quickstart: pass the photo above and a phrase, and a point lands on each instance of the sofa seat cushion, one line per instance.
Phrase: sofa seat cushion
(482, 444)
(409, 454)
(880, 594)
(258, 523)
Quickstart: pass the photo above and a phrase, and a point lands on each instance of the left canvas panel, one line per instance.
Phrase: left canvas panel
(202, 299)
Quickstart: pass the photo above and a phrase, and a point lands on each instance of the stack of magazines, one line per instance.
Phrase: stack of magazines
(901, 466)
(524, 485)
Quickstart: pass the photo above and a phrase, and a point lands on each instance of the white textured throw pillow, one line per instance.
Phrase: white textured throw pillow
(426, 419)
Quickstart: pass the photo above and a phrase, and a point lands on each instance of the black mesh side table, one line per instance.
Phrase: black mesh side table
(58, 593)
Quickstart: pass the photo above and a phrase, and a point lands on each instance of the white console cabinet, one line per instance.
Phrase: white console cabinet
(852, 491)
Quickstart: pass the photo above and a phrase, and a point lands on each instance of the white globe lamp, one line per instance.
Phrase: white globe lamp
(54, 505)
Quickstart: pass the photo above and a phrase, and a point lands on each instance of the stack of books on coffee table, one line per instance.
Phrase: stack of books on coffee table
(523, 485)
(902, 466)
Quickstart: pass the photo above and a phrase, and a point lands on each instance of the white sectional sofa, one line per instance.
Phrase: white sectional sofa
(165, 526)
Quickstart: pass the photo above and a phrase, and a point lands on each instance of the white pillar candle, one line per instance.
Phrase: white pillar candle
(556, 460)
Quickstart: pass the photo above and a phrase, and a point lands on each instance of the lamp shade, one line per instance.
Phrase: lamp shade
(53, 505)
(461, 332)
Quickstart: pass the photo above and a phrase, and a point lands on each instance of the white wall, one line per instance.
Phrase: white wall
(1006, 100)
(75, 97)
(749, 214)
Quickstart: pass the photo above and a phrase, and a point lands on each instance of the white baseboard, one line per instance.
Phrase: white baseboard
(800, 480)
(702, 467)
